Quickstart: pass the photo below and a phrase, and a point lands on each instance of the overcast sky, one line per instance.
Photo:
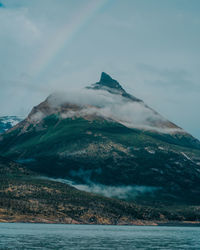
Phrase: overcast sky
(151, 47)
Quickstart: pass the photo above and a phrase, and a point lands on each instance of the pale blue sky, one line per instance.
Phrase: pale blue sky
(150, 46)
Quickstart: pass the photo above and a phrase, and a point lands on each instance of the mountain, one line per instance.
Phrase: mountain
(104, 140)
(7, 122)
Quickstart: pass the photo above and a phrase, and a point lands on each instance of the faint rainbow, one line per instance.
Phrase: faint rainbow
(57, 42)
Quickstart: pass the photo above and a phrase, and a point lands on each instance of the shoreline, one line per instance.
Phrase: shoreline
(132, 223)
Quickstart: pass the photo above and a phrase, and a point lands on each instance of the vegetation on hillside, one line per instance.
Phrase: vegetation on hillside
(26, 197)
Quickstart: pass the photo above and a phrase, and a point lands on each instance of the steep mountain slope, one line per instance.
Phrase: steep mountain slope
(7, 122)
(105, 138)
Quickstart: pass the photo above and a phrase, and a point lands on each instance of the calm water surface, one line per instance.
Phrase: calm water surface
(45, 236)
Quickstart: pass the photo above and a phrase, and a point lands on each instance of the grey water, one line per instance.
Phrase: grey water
(59, 236)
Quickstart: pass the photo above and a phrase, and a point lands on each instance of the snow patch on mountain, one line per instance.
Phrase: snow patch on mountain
(7, 122)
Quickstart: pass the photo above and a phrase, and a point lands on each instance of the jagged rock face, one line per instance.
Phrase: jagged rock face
(112, 86)
(91, 144)
(108, 82)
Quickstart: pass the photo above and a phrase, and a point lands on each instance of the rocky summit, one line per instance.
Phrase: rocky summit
(107, 83)
(104, 140)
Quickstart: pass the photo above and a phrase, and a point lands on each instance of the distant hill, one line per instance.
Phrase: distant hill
(7, 122)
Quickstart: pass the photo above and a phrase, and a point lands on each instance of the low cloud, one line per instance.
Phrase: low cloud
(37, 116)
(111, 106)
(121, 192)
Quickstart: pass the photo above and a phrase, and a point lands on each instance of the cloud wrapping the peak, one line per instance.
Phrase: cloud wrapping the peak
(111, 106)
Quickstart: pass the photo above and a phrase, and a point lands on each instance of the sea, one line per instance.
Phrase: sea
(70, 237)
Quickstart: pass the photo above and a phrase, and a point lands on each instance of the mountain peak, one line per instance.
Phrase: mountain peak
(109, 82)
(105, 77)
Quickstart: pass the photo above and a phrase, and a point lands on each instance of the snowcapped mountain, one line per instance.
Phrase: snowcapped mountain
(7, 122)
